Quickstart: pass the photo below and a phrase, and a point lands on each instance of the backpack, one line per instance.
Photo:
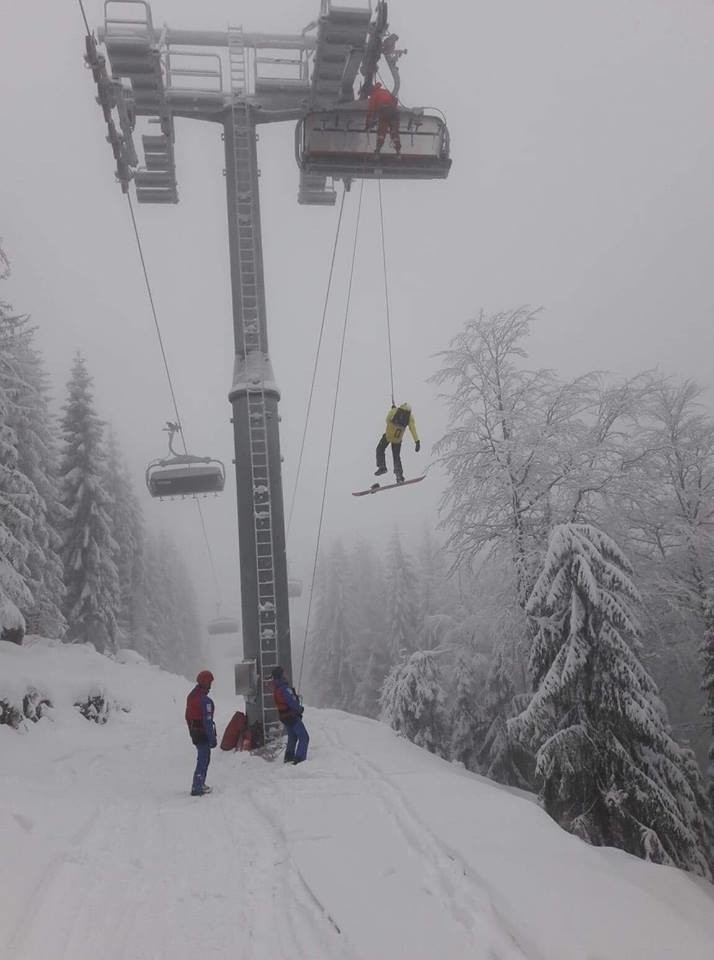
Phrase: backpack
(401, 418)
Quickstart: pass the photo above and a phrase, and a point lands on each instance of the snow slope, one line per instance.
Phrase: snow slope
(372, 849)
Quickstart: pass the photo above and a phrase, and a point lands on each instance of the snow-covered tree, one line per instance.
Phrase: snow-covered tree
(707, 652)
(19, 500)
(504, 424)
(525, 449)
(171, 635)
(128, 532)
(366, 613)
(89, 550)
(608, 767)
(666, 518)
(412, 701)
(24, 385)
(14, 527)
(401, 602)
(330, 679)
(501, 756)
(466, 707)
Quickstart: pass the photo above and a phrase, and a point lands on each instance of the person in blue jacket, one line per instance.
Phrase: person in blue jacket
(202, 729)
(290, 711)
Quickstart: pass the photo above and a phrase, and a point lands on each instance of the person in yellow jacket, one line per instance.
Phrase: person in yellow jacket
(398, 419)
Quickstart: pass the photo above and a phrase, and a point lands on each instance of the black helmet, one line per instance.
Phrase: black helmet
(276, 673)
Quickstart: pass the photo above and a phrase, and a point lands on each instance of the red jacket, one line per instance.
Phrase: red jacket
(380, 98)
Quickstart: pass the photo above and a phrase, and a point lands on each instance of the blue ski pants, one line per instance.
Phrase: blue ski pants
(203, 758)
(298, 740)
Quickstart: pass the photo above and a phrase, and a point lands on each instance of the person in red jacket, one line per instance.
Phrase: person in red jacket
(201, 729)
(383, 109)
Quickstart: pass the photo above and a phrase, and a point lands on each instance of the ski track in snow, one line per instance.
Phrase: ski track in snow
(369, 851)
(465, 898)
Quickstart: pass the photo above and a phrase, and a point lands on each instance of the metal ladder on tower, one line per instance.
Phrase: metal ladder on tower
(243, 150)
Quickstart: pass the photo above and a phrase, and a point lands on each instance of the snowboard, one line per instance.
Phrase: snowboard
(376, 487)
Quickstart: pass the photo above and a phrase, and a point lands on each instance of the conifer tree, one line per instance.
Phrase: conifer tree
(608, 767)
(20, 502)
(401, 602)
(412, 701)
(500, 756)
(14, 527)
(707, 652)
(331, 682)
(170, 633)
(128, 532)
(29, 417)
(89, 549)
(366, 605)
(466, 714)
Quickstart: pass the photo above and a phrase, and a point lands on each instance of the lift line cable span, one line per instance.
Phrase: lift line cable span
(386, 292)
(317, 358)
(84, 17)
(332, 429)
(171, 388)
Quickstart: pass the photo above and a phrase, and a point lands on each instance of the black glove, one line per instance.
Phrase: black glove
(417, 446)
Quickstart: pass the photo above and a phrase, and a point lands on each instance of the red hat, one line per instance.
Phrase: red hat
(205, 678)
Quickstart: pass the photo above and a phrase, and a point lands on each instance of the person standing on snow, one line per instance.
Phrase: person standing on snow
(202, 729)
(398, 419)
(383, 109)
(290, 711)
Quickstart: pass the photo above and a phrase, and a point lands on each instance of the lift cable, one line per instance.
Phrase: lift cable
(332, 430)
(84, 17)
(171, 388)
(314, 369)
(386, 292)
(155, 316)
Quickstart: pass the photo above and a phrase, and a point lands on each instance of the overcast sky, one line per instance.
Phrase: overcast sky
(583, 182)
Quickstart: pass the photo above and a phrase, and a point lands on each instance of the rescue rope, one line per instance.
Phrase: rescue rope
(332, 431)
(386, 292)
(315, 365)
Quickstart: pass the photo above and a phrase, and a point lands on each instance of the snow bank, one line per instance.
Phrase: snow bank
(372, 849)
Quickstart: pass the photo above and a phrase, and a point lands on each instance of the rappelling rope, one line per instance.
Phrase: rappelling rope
(317, 358)
(386, 292)
(332, 430)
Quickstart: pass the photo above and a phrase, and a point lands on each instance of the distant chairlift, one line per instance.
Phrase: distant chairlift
(182, 475)
(336, 143)
(223, 625)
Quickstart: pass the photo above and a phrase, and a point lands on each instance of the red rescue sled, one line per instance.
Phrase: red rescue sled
(237, 733)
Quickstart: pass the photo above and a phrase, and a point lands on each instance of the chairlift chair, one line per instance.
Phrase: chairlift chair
(223, 625)
(183, 475)
(336, 143)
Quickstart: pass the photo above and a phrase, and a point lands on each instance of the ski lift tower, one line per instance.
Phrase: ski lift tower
(240, 80)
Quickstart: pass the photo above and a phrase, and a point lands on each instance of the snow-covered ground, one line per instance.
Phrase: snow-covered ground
(372, 849)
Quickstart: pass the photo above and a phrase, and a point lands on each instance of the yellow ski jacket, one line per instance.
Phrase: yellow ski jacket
(398, 419)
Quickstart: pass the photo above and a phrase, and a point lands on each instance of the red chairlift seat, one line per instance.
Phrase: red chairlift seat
(336, 143)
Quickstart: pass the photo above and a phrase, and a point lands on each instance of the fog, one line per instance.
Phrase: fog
(582, 182)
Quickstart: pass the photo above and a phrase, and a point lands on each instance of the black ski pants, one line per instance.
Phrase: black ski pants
(396, 455)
